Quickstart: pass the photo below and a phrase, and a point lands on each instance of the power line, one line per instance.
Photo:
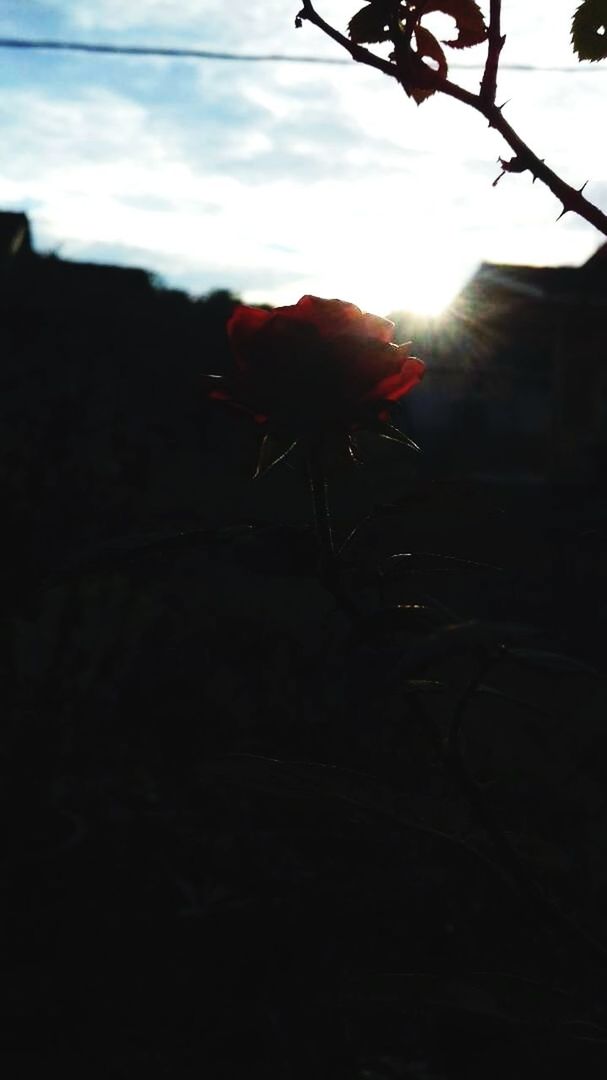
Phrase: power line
(209, 54)
(144, 50)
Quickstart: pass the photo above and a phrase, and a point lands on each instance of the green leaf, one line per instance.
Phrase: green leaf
(589, 30)
(271, 451)
(471, 28)
(369, 25)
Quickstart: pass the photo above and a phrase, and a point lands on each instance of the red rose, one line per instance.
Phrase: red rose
(317, 366)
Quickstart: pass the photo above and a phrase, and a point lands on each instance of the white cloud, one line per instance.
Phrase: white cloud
(287, 179)
(118, 15)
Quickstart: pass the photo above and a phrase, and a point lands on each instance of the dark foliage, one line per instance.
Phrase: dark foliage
(233, 842)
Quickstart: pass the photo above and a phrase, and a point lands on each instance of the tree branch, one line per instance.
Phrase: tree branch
(496, 44)
(571, 199)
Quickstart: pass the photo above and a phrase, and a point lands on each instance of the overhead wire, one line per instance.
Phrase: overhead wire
(153, 51)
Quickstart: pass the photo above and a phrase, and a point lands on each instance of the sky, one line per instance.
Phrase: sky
(278, 179)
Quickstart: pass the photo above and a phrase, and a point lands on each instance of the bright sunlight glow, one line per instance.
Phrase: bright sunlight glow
(420, 287)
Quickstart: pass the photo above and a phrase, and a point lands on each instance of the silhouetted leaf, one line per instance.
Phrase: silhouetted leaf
(438, 991)
(404, 563)
(425, 686)
(306, 781)
(397, 660)
(303, 780)
(277, 550)
(416, 77)
(511, 998)
(589, 30)
(471, 29)
(412, 619)
(271, 451)
(454, 639)
(369, 25)
(556, 663)
(428, 46)
(492, 691)
(394, 434)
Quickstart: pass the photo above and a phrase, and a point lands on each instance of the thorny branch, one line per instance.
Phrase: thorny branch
(524, 160)
(496, 44)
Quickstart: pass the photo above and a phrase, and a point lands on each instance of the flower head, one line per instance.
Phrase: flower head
(316, 367)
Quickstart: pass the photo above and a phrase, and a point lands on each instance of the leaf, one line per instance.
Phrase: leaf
(309, 780)
(406, 563)
(556, 663)
(394, 434)
(427, 45)
(369, 25)
(454, 639)
(304, 781)
(408, 619)
(512, 997)
(471, 28)
(114, 553)
(433, 990)
(271, 451)
(416, 77)
(460, 638)
(589, 30)
(530, 706)
(425, 686)
(412, 62)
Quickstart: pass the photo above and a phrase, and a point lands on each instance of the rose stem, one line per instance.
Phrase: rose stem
(322, 517)
(328, 561)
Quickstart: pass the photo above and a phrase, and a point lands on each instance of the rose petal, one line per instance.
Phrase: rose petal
(330, 317)
(243, 324)
(378, 328)
(393, 387)
(314, 366)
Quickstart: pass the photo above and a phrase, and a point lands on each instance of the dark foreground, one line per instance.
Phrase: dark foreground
(236, 840)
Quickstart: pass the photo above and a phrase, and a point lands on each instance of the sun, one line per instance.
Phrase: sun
(364, 269)
(426, 294)
(421, 286)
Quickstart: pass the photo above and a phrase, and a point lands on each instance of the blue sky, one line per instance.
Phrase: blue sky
(280, 179)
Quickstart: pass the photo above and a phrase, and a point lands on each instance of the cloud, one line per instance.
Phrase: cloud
(118, 15)
(281, 179)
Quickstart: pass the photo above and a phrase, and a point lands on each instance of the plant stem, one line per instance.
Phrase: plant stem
(571, 198)
(322, 518)
(328, 560)
(496, 44)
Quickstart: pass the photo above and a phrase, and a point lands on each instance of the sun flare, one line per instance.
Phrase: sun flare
(422, 289)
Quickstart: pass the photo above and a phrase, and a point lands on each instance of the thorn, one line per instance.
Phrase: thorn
(500, 107)
(535, 176)
(580, 190)
(564, 211)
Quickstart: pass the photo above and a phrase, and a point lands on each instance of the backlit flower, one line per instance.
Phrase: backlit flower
(316, 367)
